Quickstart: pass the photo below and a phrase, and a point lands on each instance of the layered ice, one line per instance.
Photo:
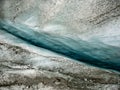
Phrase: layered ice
(91, 52)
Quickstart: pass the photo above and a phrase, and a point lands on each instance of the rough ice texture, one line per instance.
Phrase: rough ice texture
(21, 69)
(23, 66)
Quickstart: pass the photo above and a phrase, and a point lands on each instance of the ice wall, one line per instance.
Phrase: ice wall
(90, 27)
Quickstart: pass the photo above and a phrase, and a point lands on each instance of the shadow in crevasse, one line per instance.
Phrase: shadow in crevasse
(2, 9)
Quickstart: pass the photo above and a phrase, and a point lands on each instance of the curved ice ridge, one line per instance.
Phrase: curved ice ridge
(66, 46)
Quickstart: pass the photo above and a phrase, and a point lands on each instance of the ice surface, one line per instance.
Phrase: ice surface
(43, 40)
